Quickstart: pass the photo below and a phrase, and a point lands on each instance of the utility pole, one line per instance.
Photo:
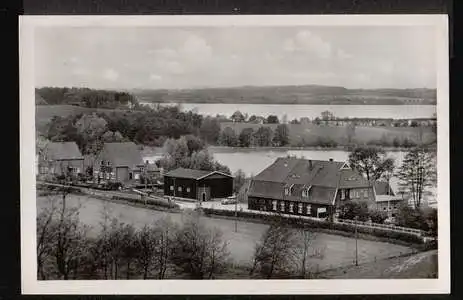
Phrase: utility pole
(236, 214)
(356, 246)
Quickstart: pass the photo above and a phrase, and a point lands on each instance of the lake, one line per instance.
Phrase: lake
(310, 111)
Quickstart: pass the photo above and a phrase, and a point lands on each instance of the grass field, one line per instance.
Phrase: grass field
(311, 132)
(421, 265)
(44, 113)
(335, 251)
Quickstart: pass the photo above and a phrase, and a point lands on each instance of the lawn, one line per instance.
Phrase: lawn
(421, 265)
(329, 251)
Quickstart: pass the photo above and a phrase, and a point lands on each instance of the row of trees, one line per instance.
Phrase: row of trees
(416, 175)
(248, 137)
(68, 249)
(87, 97)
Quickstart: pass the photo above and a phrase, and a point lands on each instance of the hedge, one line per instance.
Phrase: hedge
(149, 201)
(297, 222)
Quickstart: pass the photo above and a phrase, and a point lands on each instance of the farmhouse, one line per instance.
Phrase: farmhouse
(119, 162)
(198, 184)
(307, 187)
(61, 158)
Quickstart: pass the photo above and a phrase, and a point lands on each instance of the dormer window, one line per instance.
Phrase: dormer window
(305, 192)
(288, 190)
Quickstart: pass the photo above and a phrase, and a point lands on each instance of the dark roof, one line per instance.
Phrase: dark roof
(62, 151)
(124, 154)
(191, 173)
(322, 178)
(382, 187)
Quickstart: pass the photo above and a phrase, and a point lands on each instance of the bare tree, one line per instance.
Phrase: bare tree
(45, 236)
(165, 231)
(302, 252)
(273, 254)
(199, 252)
(145, 243)
(418, 172)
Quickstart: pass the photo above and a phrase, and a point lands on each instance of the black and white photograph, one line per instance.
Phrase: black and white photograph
(240, 154)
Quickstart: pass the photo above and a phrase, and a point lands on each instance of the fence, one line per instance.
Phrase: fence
(384, 226)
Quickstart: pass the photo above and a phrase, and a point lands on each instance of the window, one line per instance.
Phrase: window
(343, 195)
(291, 206)
(282, 206)
(287, 192)
(179, 188)
(188, 190)
(300, 208)
(384, 208)
(308, 209)
(365, 193)
(274, 204)
(171, 187)
(305, 192)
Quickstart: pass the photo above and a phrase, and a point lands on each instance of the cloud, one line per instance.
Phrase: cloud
(306, 41)
(341, 54)
(172, 67)
(110, 74)
(196, 47)
(81, 71)
(155, 77)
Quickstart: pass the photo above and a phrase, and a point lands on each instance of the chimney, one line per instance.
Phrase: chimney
(331, 159)
(310, 164)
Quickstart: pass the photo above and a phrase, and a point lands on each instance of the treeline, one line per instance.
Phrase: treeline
(248, 137)
(86, 97)
(148, 127)
(67, 249)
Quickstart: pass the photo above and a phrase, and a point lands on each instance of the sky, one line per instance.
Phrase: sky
(197, 57)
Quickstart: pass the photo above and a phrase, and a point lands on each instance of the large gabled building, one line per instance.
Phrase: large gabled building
(307, 187)
(119, 162)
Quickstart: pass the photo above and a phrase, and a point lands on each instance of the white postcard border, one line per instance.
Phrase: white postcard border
(29, 282)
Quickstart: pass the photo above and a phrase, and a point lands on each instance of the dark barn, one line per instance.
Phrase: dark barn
(198, 184)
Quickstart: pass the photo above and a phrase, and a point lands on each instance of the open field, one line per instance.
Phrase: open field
(311, 132)
(44, 113)
(421, 265)
(303, 94)
(334, 251)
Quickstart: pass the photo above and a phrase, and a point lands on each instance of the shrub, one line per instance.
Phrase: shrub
(378, 216)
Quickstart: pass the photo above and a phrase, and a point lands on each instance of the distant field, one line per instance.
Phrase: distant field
(311, 132)
(338, 250)
(44, 113)
(304, 94)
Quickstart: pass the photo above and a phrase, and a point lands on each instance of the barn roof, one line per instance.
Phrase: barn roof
(192, 173)
(62, 151)
(125, 154)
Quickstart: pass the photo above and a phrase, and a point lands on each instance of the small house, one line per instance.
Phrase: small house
(61, 158)
(386, 199)
(198, 184)
(119, 162)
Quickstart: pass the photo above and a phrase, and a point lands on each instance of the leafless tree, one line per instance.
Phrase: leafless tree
(165, 231)
(45, 235)
(273, 255)
(302, 251)
(199, 251)
(145, 245)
